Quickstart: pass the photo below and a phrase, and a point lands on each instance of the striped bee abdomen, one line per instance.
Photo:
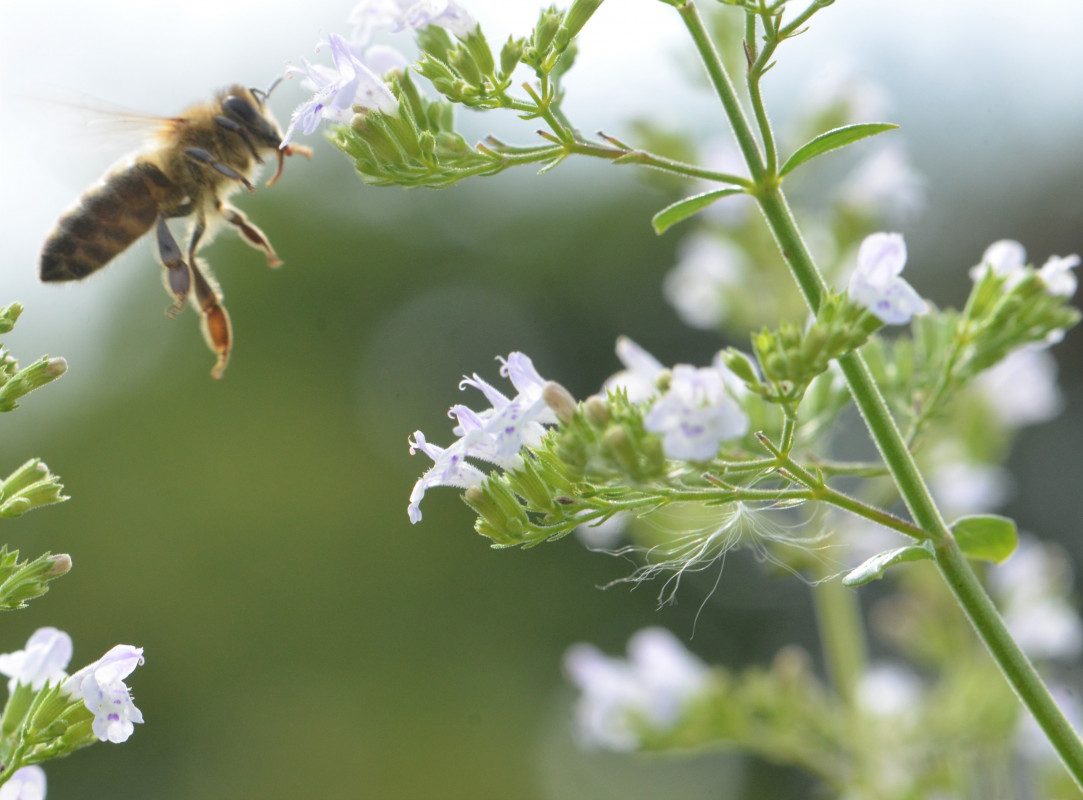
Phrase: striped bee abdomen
(105, 221)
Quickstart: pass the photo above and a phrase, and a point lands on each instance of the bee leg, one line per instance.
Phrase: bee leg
(217, 331)
(206, 157)
(250, 233)
(178, 277)
(235, 127)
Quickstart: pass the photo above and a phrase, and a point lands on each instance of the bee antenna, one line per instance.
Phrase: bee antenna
(261, 95)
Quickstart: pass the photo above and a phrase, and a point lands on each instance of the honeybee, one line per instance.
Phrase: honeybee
(197, 160)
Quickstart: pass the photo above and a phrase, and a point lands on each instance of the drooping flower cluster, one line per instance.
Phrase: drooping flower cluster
(356, 79)
(620, 696)
(99, 685)
(495, 435)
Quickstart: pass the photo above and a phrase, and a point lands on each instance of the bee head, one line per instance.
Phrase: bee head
(247, 108)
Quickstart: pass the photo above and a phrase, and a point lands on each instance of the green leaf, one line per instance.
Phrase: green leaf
(989, 537)
(682, 209)
(873, 569)
(833, 140)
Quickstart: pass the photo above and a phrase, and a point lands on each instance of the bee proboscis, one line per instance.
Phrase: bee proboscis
(197, 160)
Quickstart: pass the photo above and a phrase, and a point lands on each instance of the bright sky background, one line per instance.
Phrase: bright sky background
(949, 65)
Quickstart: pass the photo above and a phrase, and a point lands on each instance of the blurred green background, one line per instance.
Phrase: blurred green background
(302, 638)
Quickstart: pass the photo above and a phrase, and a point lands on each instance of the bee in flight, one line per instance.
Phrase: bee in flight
(198, 159)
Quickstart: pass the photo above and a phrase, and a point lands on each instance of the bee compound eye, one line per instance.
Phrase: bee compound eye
(241, 109)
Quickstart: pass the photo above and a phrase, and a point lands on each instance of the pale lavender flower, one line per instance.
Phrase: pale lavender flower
(650, 688)
(961, 486)
(696, 414)
(450, 468)
(47, 654)
(495, 435)
(639, 378)
(1005, 257)
(101, 688)
(398, 15)
(877, 283)
(1022, 389)
(28, 783)
(696, 287)
(336, 91)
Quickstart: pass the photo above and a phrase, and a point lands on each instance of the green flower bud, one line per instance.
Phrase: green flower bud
(510, 55)
(30, 486)
(574, 20)
(560, 400)
(44, 370)
(546, 30)
(8, 315)
(596, 410)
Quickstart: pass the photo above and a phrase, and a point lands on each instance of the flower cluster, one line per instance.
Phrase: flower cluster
(356, 79)
(619, 698)
(99, 686)
(495, 435)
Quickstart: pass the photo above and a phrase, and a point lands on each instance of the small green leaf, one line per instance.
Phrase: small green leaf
(988, 537)
(873, 569)
(833, 140)
(682, 209)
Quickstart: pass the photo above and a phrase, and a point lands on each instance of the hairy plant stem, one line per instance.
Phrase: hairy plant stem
(953, 566)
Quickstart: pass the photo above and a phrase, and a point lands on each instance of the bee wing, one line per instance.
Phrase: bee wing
(109, 126)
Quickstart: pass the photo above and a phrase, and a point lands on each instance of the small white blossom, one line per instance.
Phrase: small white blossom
(696, 414)
(1005, 257)
(336, 91)
(889, 690)
(1058, 278)
(876, 283)
(101, 688)
(28, 783)
(639, 378)
(961, 486)
(696, 286)
(1022, 389)
(495, 435)
(47, 654)
(652, 688)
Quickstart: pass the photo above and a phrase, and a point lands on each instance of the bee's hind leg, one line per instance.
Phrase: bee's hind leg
(177, 275)
(252, 235)
(217, 330)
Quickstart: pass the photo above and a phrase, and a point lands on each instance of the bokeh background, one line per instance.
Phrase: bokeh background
(302, 639)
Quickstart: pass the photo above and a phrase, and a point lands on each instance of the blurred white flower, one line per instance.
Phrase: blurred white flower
(398, 15)
(839, 83)
(696, 287)
(961, 486)
(1057, 275)
(697, 413)
(877, 283)
(1033, 587)
(650, 688)
(889, 690)
(1022, 388)
(47, 654)
(639, 378)
(885, 184)
(28, 783)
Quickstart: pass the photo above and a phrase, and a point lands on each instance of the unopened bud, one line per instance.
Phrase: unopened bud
(596, 410)
(61, 565)
(560, 400)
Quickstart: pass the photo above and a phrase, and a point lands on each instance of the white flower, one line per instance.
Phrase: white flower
(889, 690)
(1005, 257)
(696, 414)
(1057, 277)
(876, 283)
(963, 487)
(706, 268)
(639, 378)
(495, 435)
(1033, 587)
(336, 91)
(652, 687)
(1021, 389)
(28, 783)
(44, 660)
(101, 688)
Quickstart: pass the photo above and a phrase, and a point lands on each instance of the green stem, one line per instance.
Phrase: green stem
(973, 598)
(838, 618)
